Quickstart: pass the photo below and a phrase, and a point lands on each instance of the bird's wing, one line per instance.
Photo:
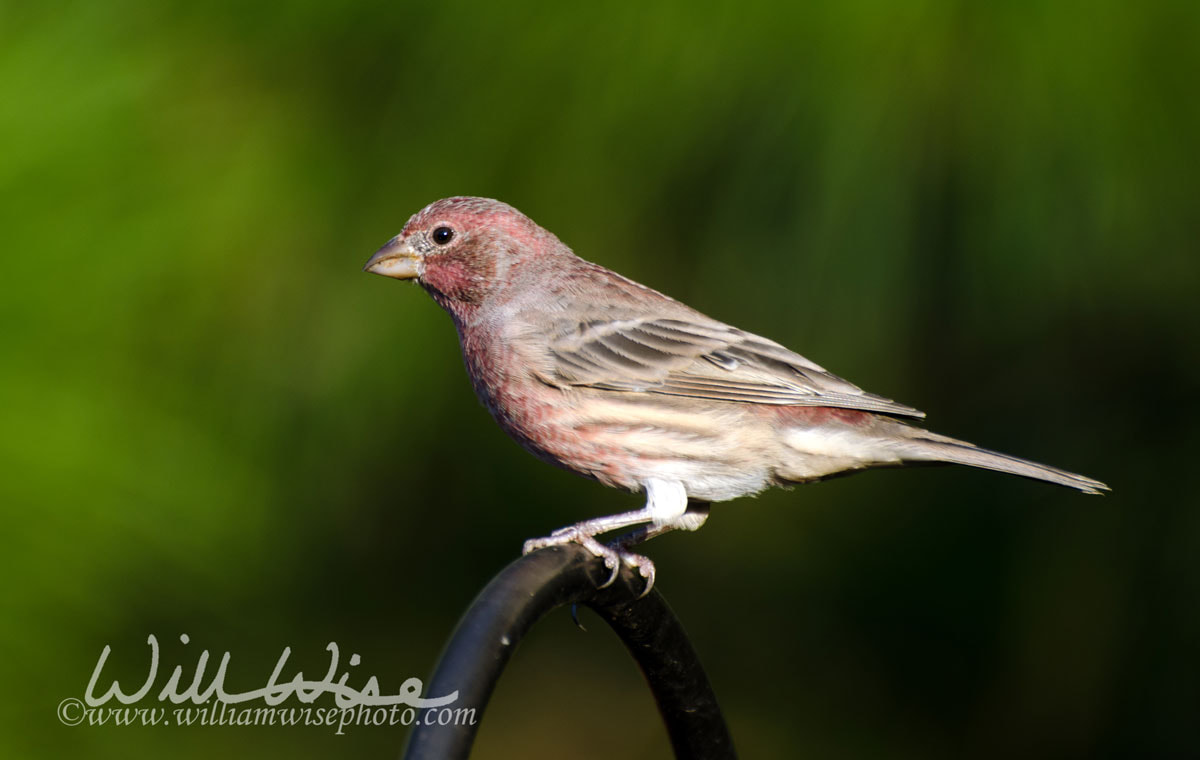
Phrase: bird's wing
(700, 358)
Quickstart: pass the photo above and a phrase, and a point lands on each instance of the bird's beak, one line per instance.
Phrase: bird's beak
(396, 259)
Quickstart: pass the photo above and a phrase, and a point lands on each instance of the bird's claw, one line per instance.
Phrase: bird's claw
(613, 555)
(573, 535)
(643, 565)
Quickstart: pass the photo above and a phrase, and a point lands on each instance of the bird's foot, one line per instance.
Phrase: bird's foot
(612, 554)
(572, 534)
(643, 565)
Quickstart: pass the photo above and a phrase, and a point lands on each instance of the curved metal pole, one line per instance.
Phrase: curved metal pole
(523, 593)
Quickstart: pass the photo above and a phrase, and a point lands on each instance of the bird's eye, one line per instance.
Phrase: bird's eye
(443, 235)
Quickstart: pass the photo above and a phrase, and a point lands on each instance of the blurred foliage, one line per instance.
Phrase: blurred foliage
(215, 424)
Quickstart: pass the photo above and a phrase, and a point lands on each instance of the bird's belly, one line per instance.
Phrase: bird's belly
(622, 441)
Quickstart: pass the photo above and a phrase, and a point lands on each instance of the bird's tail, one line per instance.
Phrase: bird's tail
(931, 447)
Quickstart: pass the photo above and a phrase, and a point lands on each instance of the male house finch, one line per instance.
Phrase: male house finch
(607, 378)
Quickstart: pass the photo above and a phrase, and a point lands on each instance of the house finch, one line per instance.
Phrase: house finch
(609, 379)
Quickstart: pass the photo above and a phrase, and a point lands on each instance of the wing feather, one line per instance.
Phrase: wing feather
(699, 358)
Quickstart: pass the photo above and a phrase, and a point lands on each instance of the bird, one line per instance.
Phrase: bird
(617, 382)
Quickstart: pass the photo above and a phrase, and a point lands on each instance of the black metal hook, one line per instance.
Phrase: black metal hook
(523, 593)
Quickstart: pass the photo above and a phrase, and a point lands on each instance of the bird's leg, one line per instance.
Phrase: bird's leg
(666, 509)
(692, 519)
(694, 516)
(585, 533)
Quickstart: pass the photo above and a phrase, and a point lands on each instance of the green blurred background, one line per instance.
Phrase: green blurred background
(215, 424)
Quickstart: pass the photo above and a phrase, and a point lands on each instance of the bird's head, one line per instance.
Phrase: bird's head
(462, 249)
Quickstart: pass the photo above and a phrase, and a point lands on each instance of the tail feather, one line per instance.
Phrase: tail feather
(930, 447)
